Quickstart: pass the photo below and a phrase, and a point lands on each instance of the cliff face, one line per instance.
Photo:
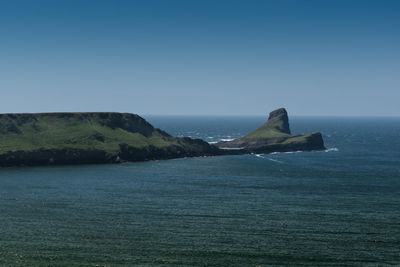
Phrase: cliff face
(81, 138)
(278, 120)
(275, 136)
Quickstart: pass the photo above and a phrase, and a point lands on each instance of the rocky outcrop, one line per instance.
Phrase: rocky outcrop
(126, 153)
(200, 149)
(274, 136)
(278, 120)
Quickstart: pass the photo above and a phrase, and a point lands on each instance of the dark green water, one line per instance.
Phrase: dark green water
(335, 207)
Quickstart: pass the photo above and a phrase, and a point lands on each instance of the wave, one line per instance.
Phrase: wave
(274, 160)
(331, 149)
(289, 152)
(220, 140)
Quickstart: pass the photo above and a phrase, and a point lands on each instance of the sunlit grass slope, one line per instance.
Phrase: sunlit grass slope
(95, 131)
(277, 127)
(275, 136)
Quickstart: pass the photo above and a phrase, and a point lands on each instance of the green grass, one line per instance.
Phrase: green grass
(276, 128)
(269, 130)
(261, 133)
(29, 132)
(297, 139)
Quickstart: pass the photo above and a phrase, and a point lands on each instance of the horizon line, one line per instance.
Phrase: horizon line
(208, 115)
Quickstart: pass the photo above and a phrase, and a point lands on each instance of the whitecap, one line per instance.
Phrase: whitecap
(331, 149)
(289, 152)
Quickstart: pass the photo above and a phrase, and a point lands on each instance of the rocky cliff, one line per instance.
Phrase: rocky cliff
(275, 136)
(81, 138)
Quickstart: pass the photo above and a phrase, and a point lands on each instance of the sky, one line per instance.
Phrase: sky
(187, 57)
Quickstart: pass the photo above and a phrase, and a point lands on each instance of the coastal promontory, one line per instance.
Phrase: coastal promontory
(110, 137)
(93, 137)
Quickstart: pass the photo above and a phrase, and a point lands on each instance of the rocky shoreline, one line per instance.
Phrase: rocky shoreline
(108, 142)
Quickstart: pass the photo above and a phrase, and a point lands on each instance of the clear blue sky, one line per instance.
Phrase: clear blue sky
(201, 57)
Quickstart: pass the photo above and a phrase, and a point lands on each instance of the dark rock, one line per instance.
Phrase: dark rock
(279, 120)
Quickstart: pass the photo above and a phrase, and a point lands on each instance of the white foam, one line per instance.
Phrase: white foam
(290, 152)
(331, 149)
(227, 140)
(275, 160)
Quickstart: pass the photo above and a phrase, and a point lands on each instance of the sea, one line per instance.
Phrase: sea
(336, 207)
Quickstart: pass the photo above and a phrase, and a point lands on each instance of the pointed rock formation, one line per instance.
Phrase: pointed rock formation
(275, 136)
(278, 120)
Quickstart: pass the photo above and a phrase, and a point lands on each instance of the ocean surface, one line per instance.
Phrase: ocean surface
(338, 207)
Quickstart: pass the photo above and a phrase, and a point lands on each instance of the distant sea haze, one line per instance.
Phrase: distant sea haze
(338, 206)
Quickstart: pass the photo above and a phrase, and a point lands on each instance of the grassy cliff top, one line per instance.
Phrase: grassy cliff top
(277, 126)
(90, 130)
